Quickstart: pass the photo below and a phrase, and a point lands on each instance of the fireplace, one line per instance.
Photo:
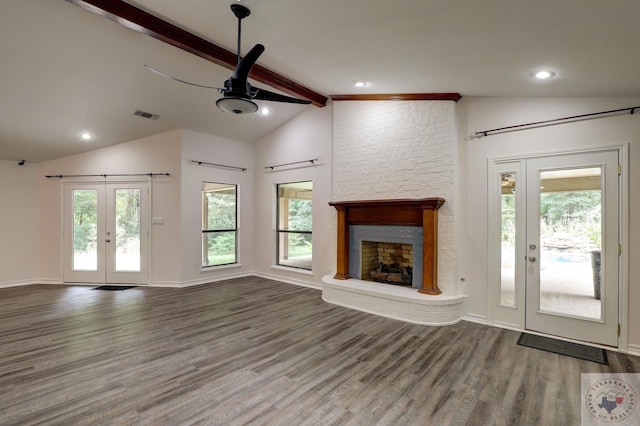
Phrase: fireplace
(391, 224)
(408, 222)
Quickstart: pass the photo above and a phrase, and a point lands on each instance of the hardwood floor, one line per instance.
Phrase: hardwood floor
(255, 351)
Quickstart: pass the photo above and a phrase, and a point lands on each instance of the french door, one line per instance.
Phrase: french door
(106, 233)
(558, 249)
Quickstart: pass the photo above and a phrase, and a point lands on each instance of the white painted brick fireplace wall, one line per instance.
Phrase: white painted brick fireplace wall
(400, 149)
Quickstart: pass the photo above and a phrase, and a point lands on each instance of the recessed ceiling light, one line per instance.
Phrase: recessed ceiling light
(360, 83)
(543, 75)
(86, 136)
(265, 111)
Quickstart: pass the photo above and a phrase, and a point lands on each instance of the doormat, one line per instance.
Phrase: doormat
(575, 350)
(114, 287)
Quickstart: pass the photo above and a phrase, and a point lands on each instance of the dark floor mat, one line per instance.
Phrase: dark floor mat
(575, 350)
(114, 287)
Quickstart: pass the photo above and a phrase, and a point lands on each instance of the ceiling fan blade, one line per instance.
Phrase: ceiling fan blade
(241, 73)
(265, 95)
(152, 69)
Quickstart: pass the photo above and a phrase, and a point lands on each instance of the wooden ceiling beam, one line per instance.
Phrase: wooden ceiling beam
(146, 23)
(400, 97)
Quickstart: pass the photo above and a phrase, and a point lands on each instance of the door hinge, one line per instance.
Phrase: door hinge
(619, 169)
(618, 330)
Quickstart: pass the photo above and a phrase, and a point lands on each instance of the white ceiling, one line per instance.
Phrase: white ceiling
(65, 70)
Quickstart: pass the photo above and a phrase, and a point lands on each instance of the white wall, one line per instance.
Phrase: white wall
(155, 154)
(306, 137)
(477, 114)
(202, 147)
(19, 223)
(400, 149)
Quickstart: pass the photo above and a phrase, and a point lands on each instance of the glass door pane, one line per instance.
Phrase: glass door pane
(570, 242)
(127, 229)
(85, 230)
(507, 239)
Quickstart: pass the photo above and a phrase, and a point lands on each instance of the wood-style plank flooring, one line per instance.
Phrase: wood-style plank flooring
(255, 351)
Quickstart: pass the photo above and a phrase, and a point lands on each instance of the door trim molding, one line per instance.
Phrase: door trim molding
(623, 233)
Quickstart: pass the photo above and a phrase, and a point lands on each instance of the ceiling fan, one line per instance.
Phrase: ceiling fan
(237, 93)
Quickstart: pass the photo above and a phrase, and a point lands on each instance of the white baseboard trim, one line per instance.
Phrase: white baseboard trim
(478, 319)
(49, 281)
(170, 284)
(200, 281)
(288, 280)
(633, 350)
(18, 283)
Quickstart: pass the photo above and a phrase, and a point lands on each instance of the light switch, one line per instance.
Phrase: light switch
(157, 220)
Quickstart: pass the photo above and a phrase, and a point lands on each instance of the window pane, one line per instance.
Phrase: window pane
(570, 236)
(85, 230)
(219, 248)
(219, 206)
(507, 238)
(295, 200)
(127, 229)
(295, 249)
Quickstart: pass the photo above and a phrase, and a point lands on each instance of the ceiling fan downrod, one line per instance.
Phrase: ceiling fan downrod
(241, 12)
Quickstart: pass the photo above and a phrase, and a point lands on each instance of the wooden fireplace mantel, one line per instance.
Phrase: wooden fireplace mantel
(405, 212)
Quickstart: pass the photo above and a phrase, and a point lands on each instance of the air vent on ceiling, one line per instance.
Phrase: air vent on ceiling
(146, 115)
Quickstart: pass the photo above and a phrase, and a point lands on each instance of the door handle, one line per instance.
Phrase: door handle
(532, 258)
(107, 240)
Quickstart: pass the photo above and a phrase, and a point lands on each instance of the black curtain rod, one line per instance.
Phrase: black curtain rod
(110, 175)
(290, 164)
(244, 169)
(549, 122)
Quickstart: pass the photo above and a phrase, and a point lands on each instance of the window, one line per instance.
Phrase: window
(219, 224)
(294, 224)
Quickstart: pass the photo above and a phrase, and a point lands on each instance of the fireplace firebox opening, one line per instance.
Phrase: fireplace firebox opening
(390, 263)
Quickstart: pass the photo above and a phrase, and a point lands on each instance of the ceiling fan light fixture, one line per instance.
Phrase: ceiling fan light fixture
(235, 105)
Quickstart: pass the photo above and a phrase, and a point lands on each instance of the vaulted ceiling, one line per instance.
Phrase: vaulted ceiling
(66, 69)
